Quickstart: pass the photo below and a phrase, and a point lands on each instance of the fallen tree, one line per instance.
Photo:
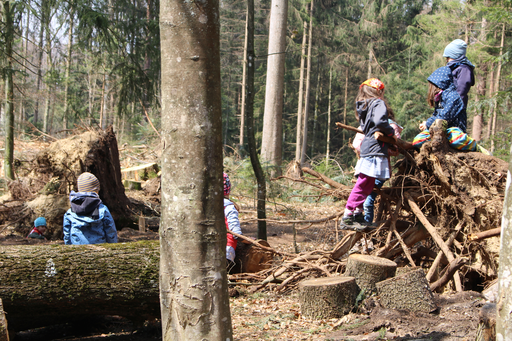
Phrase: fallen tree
(50, 284)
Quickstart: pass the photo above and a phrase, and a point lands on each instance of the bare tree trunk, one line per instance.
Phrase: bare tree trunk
(480, 89)
(497, 88)
(493, 104)
(345, 102)
(40, 58)
(244, 85)
(308, 88)
(272, 136)
(300, 110)
(315, 117)
(504, 302)
(249, 121)
(369, 62)
(193, 280)
(9, 92)
(102, 101)
(328, 139)
(68, 69)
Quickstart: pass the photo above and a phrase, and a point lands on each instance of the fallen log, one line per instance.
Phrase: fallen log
(64, 283)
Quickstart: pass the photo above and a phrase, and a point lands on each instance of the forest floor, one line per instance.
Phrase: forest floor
(267, 315)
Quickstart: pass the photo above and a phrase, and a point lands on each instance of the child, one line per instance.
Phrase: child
(39, 229)
(88, 221)
(369, 203)
(232, 222)
(462, 69)
(448, 106)
(372, 113)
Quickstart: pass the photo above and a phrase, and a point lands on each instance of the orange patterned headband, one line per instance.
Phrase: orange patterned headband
(374, 83)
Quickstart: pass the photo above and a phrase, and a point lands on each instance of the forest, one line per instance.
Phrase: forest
(95, 62)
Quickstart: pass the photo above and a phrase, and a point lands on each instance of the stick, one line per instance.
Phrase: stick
(435, 236)
(485, 234)
(400, 143)
(452, 268)
(254, 242)
(449, 242)
(346, 244)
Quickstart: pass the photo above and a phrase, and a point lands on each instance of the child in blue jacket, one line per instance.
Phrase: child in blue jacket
(88, 221)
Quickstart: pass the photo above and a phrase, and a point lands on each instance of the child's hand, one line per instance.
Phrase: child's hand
(377, 134)
(423, 125)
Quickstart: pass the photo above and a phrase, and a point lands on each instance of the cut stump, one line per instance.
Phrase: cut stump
(368, 270)
(250, 258)
(4, 333)
(410, 291)
(327, 297)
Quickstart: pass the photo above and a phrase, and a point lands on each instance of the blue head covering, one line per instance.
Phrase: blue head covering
(450, 106)
(456, 49)
(40, 222)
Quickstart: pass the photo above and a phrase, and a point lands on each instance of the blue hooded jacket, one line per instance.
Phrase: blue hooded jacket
(450, 107)
(88, 221)
(463, 76)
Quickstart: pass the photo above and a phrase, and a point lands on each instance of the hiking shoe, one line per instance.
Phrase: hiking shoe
(359, 218)
(347, 221)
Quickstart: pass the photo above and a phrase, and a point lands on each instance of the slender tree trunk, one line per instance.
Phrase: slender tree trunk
(369, 62)
(193, 279)
(328, 139)
(49, 87)
(272, 135)
(300, 110)
(9, 92)
(315, 117)
(308, 87)
(249, 121)
(497, 88)
(40, 58)
(244, 86)
(68, 70)
(493, 104)
(345, 102)
(504, 302)
(102, 101)
(481, 89)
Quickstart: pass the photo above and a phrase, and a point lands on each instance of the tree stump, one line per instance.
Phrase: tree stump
(250, 258)
(327, 297)
(4, 333)
(368, 270)
(410, 291)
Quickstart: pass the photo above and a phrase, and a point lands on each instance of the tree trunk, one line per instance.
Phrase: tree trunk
(315, 116)
(4, 329)
(65, 283)
(328, 138)
(308, 88)
(504, 303)
(68, 70)
(345, 101)
(497, 88)
(480, 89)
(272, 134)
(9, 93)
(327, 297)
(300, 110)
(44, 15)
(249, 121)
(193, 282)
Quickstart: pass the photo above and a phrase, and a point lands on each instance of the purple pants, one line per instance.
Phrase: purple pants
(363, 188)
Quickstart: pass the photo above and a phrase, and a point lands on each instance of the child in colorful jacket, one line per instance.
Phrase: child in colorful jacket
(88, 221)
(231, 220)
(39, 229)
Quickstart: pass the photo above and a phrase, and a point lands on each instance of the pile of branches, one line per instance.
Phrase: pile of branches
(436, 212)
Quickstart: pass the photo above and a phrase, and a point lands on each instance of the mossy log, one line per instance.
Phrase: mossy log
(47, 284)
(4, 334)
(327, 297)
(410, 291)
(368, 270)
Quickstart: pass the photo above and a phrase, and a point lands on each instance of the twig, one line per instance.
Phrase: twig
(439, 256)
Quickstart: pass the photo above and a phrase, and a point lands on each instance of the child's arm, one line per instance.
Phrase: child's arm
(380, 119)
(232, 217)
(66, 227)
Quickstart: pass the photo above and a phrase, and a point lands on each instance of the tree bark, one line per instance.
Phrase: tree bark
(64, 283)
(328, 138)
(193, 281)
(4, 329)
(368, 270)
(504, 303)
(409, 291)
(272, 135)
(249, 121)
(497, 88)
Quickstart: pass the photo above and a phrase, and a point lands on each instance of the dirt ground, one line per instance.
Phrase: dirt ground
(267, 315)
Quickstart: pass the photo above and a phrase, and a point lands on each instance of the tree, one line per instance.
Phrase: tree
(7, 12)
(504, 304)
(271, 144)
(193, 280)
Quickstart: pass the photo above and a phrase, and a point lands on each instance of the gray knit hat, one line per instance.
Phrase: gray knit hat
(87, 182)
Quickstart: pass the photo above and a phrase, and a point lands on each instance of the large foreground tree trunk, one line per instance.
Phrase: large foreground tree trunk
(504, 304)
(193, 281)
(45, 285)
